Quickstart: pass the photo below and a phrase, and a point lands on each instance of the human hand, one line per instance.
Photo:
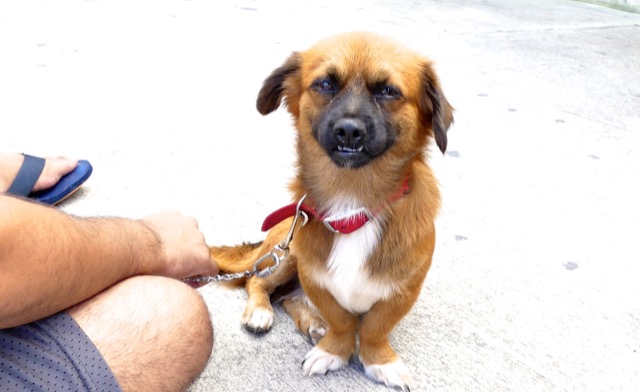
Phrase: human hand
(184, 251)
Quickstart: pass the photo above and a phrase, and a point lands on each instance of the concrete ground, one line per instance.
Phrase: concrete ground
(534, 285)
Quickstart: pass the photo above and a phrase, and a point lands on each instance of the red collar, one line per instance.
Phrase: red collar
(337, 224)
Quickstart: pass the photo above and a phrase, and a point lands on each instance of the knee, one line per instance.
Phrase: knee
(174, 308)
(143, 309)
(179, 307)
(182, 315)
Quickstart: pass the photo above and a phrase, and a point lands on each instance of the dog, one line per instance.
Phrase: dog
(365, 109)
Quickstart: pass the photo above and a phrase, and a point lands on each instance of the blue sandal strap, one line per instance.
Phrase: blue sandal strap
(27, 176)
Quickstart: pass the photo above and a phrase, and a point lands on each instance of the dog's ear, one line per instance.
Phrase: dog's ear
(274, 88)
(436, 110)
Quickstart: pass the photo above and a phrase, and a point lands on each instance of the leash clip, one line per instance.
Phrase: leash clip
(292, 230)
(278, 254)
(281, 251)
(273, 255)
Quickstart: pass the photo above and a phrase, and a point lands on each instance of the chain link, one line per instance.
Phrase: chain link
(278, 254)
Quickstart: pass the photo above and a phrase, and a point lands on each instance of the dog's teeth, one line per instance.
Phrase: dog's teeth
(350, 149)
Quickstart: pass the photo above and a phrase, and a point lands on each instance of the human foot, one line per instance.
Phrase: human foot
(53, 171)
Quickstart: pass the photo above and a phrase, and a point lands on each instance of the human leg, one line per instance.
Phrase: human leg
(155, 333)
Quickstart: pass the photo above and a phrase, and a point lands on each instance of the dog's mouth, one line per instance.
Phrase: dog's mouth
(352, 141)
(347, 143)
(351, 157)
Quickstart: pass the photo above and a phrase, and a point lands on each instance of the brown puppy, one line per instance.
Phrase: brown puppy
(365, 108)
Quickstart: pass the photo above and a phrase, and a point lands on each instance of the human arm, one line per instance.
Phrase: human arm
(50, 261)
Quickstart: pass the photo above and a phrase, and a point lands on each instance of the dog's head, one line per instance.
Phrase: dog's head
(361, 97)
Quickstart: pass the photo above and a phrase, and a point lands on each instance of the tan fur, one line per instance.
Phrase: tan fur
(403, 254)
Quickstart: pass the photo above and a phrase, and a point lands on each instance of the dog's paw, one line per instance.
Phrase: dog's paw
(260, 320)
(316, 332)
(319, 361)
(393, 374)
(306, 317)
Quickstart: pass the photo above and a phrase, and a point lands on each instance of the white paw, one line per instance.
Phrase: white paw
(392, 374)
(319, 361)
(260, 320)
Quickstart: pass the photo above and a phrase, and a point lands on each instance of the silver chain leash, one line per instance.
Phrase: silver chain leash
(278, 254)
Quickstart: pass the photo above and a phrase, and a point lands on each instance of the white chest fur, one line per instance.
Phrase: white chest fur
(347, 278)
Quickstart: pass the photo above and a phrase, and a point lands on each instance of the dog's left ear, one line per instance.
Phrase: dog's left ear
(434, 107)
(275, 86)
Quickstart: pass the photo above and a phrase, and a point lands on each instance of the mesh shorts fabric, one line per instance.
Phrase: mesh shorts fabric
(52, 354)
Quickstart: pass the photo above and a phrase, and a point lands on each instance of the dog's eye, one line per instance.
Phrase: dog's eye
(384, 91)
(325, 86)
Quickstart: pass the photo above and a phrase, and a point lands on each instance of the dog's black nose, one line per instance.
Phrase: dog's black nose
(350, 134)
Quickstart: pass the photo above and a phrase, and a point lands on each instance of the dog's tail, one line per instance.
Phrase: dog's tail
(236, 259)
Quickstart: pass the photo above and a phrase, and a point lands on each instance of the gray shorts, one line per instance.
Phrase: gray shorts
(52, 354)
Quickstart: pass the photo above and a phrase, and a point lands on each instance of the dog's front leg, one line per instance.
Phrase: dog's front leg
(376, 354)
(336, 347)
(258, 313)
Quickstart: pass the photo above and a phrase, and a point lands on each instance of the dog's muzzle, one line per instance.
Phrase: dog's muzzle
(350, 135)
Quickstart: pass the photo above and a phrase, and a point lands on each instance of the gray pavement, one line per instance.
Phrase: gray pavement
(534, 285)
